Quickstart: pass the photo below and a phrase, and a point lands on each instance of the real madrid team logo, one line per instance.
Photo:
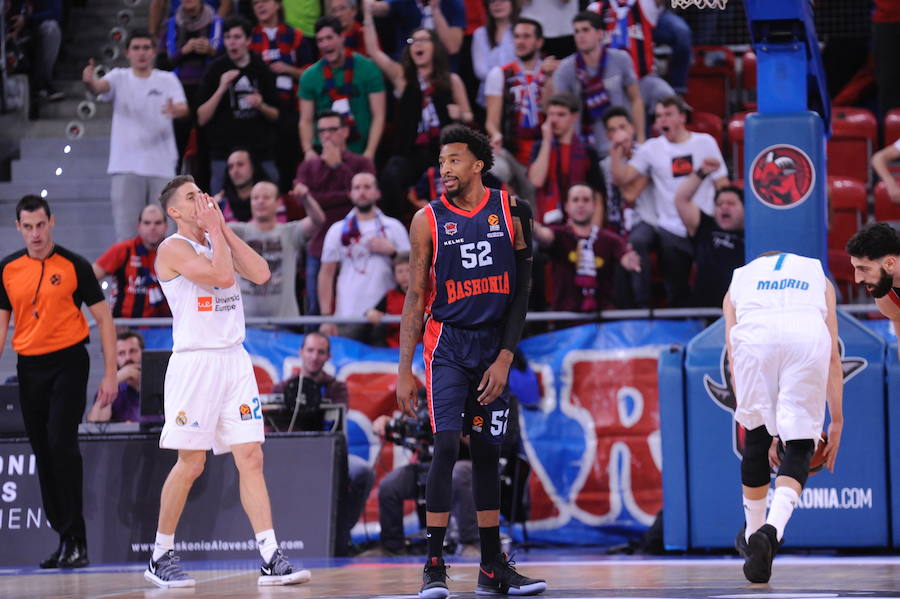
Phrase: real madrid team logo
(782, 176)
(181, 419)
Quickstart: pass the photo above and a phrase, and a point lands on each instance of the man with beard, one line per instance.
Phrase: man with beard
(718, 239)
(362, 247)
(239, 103)
(132, 264)
(515, 96)
(126, 407)
(471, 274)
(781, 334)
(874, 253)
(584, 255)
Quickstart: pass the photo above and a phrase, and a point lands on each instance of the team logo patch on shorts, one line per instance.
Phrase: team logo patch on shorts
(477, 424)
(204, 304)
(245, 412)
(181, 419)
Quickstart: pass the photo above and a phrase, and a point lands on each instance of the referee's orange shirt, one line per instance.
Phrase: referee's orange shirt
(45, 298)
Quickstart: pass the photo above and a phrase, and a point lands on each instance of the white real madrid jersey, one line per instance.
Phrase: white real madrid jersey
(780, 283)
(203, 317)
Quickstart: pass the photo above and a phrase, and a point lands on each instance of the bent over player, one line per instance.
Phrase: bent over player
(470, 277)
(875, 256)
(782, 338)
(211, 398)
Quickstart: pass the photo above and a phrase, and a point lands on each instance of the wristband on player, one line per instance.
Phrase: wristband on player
(701, 173)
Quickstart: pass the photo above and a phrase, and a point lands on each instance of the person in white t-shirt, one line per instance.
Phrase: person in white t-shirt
(142, 150)
(667, 160)
(361, 247)
(880, 161)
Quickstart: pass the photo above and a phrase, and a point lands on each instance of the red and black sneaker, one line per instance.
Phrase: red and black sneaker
(434, 580)
(500, 578)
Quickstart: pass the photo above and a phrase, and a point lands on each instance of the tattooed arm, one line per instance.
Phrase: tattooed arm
(414, 309)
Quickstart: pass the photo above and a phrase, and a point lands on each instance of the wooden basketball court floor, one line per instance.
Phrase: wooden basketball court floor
(571, 575)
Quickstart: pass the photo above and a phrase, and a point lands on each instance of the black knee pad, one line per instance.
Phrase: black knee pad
(485, 473)
(440, 474)
(755, 471)
(797, 456)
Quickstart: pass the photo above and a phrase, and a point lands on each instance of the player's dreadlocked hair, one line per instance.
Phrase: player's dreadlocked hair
(477, 143)
(874, 241)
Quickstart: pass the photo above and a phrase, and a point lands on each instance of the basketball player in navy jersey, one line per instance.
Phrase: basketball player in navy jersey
(875, 256)
(469, 281)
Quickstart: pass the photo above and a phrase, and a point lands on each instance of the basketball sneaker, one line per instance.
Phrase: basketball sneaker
(762, 546)
(500, 578)
(434, 580)
(280, 572)
(167, 574)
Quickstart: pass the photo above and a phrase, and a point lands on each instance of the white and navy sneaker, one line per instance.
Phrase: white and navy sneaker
(167, 574)
(280, 572)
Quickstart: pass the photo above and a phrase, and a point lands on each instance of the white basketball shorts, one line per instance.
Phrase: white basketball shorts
(211, 401)
(781, 374)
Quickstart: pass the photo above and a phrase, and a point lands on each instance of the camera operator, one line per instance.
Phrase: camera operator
(408, 482)
(313, 387)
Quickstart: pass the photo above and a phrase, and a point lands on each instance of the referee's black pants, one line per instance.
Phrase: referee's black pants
(53, 392)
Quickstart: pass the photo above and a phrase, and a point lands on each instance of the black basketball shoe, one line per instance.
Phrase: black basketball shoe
(500, 578)
(740, 542)
(762, 545)
(434, 580)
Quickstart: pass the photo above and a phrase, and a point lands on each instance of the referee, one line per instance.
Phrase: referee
(43, 286)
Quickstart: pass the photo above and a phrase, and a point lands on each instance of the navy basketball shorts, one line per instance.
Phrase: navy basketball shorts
(455, 361)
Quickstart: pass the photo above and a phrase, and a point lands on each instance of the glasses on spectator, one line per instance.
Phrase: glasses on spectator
(417, 40)
(329, 129)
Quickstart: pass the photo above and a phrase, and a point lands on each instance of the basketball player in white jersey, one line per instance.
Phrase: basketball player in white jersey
(211, 398)
(782, 338)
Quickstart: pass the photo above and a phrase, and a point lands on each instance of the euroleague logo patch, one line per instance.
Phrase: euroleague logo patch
(245, 412)
(477, 424)
(782, 176)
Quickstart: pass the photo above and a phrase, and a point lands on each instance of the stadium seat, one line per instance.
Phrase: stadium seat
(711, 79)
(748, 81)
(892, 134)
(706, 122)
(885, 209)
(848, 210)
(854, 135)
(736, 139)
(842, 271)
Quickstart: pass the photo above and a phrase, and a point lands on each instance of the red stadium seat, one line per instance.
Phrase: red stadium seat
(842, 271)
(705, 122)
(736, 139)
(885, 209)
(711, 79)
(848, 210)
(854, 135)
(748, 80)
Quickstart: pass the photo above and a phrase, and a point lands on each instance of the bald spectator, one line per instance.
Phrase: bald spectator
(280, 244)
(358, 252)
(132, 265)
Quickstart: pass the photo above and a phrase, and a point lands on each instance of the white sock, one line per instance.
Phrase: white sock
(754, 515)
(163, 544)
(783, 502)
(267, 544)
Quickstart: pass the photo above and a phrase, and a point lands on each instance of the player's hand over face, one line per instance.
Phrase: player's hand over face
(834, 443)
(208, 217)
(493, 382)
(407, 396)
(774, 460)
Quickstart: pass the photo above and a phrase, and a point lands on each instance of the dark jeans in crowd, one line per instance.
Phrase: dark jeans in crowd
(53, 394)
(407, 483)
(675, 257)
(674, 32)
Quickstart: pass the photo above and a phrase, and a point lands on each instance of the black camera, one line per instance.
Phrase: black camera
(412, 433)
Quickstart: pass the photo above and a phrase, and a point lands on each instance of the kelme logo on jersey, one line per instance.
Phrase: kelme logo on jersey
(450, 228)
(204, 304)
(782, 176)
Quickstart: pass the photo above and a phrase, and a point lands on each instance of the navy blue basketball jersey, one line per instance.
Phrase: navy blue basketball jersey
(473, 267)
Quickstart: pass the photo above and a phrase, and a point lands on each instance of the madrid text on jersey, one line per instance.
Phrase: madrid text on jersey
(457, 290)
(782, 284)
